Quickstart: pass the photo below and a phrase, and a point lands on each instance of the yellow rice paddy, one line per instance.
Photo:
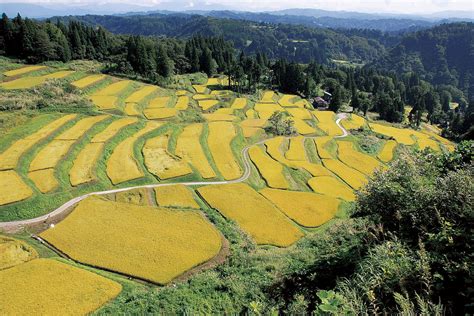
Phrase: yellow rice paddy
(87, 81)
(354, 122)
(114, 88)
(271, 170)
(201, 89)
(141, 94)
(135, 196)
(253, 213)
(82, 170)
(327, 123)
(305, 208)
(188, 147)
(175, 196)
(269, 97)
(159, 114)
(359, 161)
(386, 154)
(22, 70)
(14, 252)
(156, 244)
(296, 150)
(59, 74)
(160, 162)
(104, 102)
(402, 136)
(321, 143)
(300, 113)
(112, 130)
(207, 104)
(216, 117)
(81, 127)
(44, 180)
(159, 102)
(182, 103)
(287, 100)
(12, 188)
(239, 104)
(22, 83)
(51, 155)
(351, 176)
(330, 186)
(302, 127)
(49, 287)
(220, 136)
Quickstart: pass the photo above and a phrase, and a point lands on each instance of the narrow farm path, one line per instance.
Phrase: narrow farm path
(18, 225)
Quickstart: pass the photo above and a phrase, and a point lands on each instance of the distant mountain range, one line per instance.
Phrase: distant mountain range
(307, 17)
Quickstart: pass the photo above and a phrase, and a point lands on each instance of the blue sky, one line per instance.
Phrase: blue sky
(396, 6)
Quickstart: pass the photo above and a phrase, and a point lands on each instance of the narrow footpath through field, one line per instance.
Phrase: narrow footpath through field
(18, 225)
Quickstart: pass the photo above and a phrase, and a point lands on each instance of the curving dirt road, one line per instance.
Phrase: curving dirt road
(18, 225)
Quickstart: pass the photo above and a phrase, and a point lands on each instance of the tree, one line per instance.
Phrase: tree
(280, 124)
(336, 101)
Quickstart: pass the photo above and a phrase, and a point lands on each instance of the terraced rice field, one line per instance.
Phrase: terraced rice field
(22, 83)
(45, 180)
(300, 113)
(269, 97)
(201, 89)
(188, 147)
(155, 244)
(219, 139)
(351, 176)
(140, 94)
(302, 127)
(354, 122)
(107, 98)
(330, 186)
(13, 188)
(160, 114)
(296, 150)
(402, 136)
(82, 170)
(87, 81)
(122, 165)
(271, 170)
(305, 208)
(206, 105)
(160, 162)
(175, 196)
(239, 103)
(135, 196)
(182, 103)
(386, 154)
(321, 143)
(287, 100)
(327, 123)
(14, 252)
(353, 158)
(47, 287)
(253, 213)
(23, 70)
(222, 117)
(59, 74)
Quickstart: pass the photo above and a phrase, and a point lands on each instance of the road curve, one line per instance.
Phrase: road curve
(17, 225)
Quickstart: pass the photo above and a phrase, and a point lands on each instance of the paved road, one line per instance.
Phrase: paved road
(16, 225)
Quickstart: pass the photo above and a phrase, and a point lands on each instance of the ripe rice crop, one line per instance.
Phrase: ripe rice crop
(51, 155)
(287, 100)
(140, 94)
(160, 162)
(201, 89)
(122, 165)
(104, 102)
(305, 208)
(155, 244)
(175, 196)
(188, 147)
(136, 196)
(59, 74)
(182, 103)
(82, 170)
(200, 97)
(87, 81)
(131, 109)
(302, 127)
(182, 92)
(12, 188)
(266, 110)
(253, 213)
(214, 117)
(22, 83)
(271, 170)
(274, 148)
(22, 70)
(354, 159)
(213, 82)
(159, 102)
(251, 114)
(239, 104)
(296, 150)
(303, 104)
(320, 143)
(249, 131)
(9, 158)
(330, 186)
(268, 97)
(220, 136)
(303, 114)
(351, 176)
(158, 114)
(386, 154)
(227, 111)
(44, 180)
(354, 122)
(207, 104)
(112, 130)
(14, 252)
(424, 141)
(81, 127)
(114, 88)
(50, 287)
(327, 123)
(402, 136)
(253, 122)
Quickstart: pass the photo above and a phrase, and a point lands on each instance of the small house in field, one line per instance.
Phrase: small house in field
(319, 102)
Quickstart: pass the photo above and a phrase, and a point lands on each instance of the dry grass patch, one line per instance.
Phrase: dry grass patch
(239, 104)
(305, 208)
(188, 147)
(330, 186)
(327, 122)
(12, 188)
(44, 180)
(175, 196)
(162, 163)
(386, 154)
(271, 170)
(49, 287)
(122, 165)
(9, 158)
(87, 81)
(220, 136)
(253, 213)
(14, 252)
(359, 161)
(351, 176)
(23, 70)
(156, 244)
